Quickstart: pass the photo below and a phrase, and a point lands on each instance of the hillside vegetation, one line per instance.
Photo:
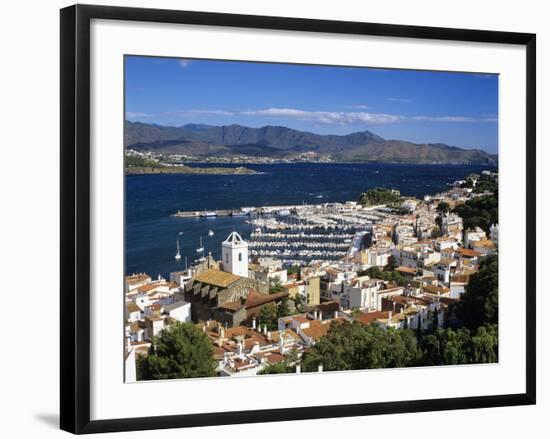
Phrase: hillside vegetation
(284, 143)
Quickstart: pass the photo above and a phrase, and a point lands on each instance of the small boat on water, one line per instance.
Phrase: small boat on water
(238, 213)
(209, 214)
(178, 254)
(211, 232)
(200, 249)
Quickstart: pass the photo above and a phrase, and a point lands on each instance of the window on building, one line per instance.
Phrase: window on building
(240, 257)
(227, 258)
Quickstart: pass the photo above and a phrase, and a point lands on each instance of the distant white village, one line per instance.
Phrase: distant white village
(407, 271)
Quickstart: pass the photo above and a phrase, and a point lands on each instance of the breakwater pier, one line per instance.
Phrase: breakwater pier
(305, 232)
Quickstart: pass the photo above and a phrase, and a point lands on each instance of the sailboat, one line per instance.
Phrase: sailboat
(201, 248)
(178, 255)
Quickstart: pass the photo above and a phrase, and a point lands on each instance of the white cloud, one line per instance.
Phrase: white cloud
(341, 118)
(212, 112)
(327, 117)
(453, 119)
(357, 117)
(135, 115)
(405, 101)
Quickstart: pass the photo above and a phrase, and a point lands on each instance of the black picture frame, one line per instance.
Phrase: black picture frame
(75, 217)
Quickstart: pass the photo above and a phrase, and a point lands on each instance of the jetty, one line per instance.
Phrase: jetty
(304, 232)
(242, 211)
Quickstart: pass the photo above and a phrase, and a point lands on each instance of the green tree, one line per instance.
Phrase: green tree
(392, 264)
(295, 269)
(275, 286)
(269, 316)
(283, 309)
(479, 304)
(180, 351)
(435, 320)
(436, 232)
(443, 207)
(349, 346)
(484, 345)
(378, 196)
(486, 183)
(454, 346)
(450, 346)
(280, 367)
(419, 331)
(431, 349)
(445, 347)
(373, 272)
(469, 184)
(141, 367)
(389, 275)
(133, 162)
(299, 303)
(479, 212)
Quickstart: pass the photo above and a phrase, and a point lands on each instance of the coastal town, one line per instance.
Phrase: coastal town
(399, 268)
(175, 159)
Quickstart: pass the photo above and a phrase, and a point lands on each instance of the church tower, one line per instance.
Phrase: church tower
(235, 255)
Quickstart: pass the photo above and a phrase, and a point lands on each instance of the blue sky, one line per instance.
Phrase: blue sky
(459, 109)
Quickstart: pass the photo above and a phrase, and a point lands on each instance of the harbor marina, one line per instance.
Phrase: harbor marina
(300, 234)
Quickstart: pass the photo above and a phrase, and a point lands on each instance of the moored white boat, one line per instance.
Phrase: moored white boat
(178, 255)
(200, 249)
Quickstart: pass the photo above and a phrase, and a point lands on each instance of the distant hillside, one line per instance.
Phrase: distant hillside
(142, 170)
(281, 142)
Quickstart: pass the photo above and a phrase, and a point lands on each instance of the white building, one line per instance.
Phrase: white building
(404, 234)
(267, 273)
(180, 311)
(133, 312)
(473, 236)
(332, 283)
(154, 325)
(182, 278)
(451, 225)
(445, 242)
(235, 255)
(360, 293)
(375, 256)
(409, 204)
(442, 270)
(365, 293)
(135, 281)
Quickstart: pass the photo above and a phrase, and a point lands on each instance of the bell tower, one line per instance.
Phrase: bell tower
(235, 255)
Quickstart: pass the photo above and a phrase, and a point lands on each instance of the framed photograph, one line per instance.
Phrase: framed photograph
(306, 218)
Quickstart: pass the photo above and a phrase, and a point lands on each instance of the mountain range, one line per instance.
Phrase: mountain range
(279, 142)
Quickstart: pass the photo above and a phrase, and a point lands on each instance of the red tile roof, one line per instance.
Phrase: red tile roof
(368, 318)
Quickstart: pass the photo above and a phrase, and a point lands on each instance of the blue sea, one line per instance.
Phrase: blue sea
(151, 200)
